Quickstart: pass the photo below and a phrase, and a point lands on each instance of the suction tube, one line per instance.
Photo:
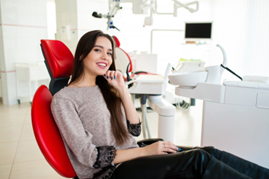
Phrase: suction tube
(224, 63)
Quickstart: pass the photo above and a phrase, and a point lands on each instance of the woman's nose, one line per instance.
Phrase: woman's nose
(105, 56)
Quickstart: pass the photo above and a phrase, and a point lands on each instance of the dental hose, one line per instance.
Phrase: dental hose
(226, 68)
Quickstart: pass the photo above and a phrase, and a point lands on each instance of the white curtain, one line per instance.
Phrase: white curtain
(242, 28)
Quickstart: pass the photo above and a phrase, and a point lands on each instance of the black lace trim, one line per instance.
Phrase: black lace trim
(105, 156)
(142, 144)
(105, 173)
(134, 129)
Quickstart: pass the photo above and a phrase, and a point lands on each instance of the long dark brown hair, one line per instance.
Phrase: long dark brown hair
(113, 102)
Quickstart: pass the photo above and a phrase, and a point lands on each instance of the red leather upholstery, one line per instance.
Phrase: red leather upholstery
(59, 58)
(117, 42)
(130, 61)
(47, 134)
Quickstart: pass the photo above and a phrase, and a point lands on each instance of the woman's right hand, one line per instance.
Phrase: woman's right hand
(160, 148)
(157, 148)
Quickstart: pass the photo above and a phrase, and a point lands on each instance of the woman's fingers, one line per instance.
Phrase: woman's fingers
(170, 147)
(111, 75)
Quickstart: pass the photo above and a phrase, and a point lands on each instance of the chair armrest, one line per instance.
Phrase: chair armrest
(145, 142)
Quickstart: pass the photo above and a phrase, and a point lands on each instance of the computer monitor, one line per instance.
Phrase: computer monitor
(195, 31)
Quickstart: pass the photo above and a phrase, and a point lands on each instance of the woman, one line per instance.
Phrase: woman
(97, 120)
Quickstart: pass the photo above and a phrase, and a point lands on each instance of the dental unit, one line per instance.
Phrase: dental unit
(235, 113)
(152, 87)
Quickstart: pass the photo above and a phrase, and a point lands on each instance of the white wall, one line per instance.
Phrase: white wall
(23, 24)
(51, 19)
(74, 18)
(86, 21)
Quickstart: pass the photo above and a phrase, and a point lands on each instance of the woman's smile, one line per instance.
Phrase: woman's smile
(102, 65)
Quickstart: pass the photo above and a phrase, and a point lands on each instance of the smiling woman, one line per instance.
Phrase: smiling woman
(100, 56)
(97, 121)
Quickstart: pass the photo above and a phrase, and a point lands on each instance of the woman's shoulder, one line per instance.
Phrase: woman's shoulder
(76, 93)
(64, 93)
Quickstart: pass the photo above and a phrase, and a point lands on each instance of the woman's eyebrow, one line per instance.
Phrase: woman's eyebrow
(102, 47)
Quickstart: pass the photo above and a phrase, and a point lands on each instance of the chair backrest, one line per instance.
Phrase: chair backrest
(59, 62)
(122, 58)
(47, 134)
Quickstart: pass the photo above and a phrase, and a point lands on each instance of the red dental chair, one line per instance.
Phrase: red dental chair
(59, 62)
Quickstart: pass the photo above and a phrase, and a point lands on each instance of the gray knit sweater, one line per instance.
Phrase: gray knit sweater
(84, 123)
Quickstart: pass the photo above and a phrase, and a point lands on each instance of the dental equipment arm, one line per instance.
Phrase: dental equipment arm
(186, 6)
(112, 12)
(141, 7)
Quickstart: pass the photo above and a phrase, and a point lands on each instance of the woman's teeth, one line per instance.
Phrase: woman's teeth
(102, 64)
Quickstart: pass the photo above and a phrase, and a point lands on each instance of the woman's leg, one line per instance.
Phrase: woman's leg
(195, 163)
(243, 166)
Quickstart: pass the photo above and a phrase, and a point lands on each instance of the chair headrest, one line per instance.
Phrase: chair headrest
(58, 57)
(117, 42)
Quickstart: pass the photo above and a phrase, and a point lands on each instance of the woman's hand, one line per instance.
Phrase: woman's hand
(115, 79)
(160, 147)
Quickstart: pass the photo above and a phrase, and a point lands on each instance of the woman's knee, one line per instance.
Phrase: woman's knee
(209, 149)
(199, 154)
(198, 159)
(213, 151)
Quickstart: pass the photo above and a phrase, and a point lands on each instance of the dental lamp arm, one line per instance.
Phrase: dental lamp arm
(186, 5)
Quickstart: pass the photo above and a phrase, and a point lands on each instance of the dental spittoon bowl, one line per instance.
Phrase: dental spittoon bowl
(188, 79)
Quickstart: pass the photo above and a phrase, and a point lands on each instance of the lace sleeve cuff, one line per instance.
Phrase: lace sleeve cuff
(105, 156)
(134, 129)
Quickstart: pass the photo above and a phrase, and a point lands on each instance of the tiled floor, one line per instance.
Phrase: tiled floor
(20, 157)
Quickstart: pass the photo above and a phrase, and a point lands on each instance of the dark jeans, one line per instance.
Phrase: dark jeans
(191, 163)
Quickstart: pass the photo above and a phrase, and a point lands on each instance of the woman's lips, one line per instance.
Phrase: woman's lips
(102, 65)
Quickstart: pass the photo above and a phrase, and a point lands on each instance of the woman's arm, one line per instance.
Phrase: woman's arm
(157, 148)
(116, 80)
(130, 111)
(69, 124)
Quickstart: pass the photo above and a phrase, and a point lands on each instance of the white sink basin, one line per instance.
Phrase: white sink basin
(189, 79)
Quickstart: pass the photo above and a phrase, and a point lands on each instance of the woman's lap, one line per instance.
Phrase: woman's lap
(158, 166)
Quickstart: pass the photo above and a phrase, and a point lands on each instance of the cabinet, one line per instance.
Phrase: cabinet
(29, 76)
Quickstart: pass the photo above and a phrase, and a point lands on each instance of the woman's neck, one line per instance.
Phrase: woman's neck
(84, 82)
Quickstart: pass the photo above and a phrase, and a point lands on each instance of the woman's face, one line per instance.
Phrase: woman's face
(98, 61)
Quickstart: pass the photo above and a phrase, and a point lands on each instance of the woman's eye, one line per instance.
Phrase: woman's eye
(109, 54)
(97, 50)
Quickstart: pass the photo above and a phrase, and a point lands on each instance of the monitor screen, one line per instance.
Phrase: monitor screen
(198, 30)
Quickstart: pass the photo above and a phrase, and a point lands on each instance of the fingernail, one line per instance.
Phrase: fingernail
(114, 77)
(104, 74)
(180, 149)
(107, 77)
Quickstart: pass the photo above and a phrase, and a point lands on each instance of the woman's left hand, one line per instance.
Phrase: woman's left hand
(115, 79)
